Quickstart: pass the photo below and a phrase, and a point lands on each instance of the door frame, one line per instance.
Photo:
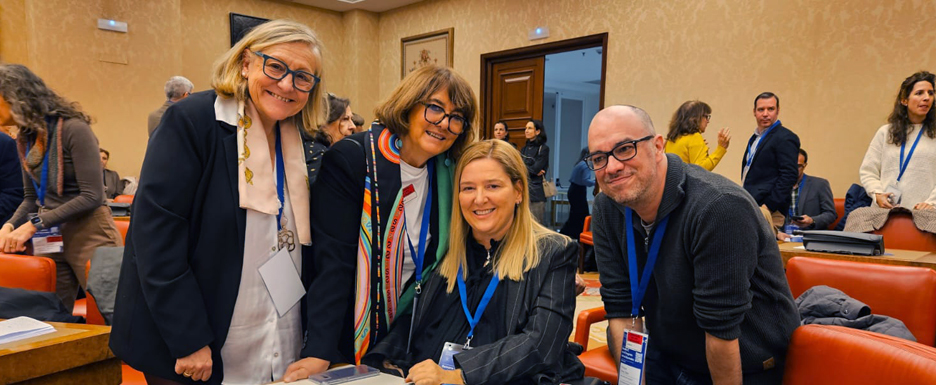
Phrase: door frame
(488, 61)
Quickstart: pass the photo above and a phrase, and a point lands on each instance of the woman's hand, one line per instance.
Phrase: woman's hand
(579, 284)
(541, 173)
(724, 137)
(15, 241)
(304, 368)
(881, 200)
(923, 206)
(430, 373)
(197, 365)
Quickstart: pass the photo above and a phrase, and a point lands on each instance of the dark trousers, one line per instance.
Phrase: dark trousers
(663, 371)
(578, 210)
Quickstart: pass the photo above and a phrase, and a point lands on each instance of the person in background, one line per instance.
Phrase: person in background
(62, 176)
(112, 185)
(582, 178)
(536, 157)
(500, 132)
(768, 168)
(177, 88)
(358, 122)
(685, 135)
(380, 216)
(897, 169)
(812, 206)
(206, 239)
(11, 177)
(337, 125)
(523, 271)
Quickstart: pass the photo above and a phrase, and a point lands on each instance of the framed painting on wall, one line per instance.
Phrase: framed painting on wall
(425, 49)
(241, 24)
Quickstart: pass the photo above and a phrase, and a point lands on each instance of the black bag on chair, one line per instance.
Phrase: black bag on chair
(842, 242)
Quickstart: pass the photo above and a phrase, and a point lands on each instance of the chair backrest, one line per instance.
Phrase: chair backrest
(124, 199)
(839, 212)
(823, 354)
(27, 272)
(900, 233)
(587, 226)
(904, 292)
(123, 226)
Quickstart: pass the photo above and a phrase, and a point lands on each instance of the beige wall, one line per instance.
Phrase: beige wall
(836, 65)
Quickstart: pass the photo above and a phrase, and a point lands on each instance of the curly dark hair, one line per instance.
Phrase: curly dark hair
(899, 118)
(31, 100)
(686, 119)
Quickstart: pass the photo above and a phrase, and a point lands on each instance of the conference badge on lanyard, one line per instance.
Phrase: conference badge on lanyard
(633, 358)
(47, 241)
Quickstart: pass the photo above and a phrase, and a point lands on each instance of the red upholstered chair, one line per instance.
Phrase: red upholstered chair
(822, 354)
(900, 233)
(123, 199)
(598, 361)
(585, 238)
(839, 212)
(903, 292)
(123, 226)
(27, 272)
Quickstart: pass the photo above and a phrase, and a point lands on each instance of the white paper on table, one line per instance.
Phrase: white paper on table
(21, 328)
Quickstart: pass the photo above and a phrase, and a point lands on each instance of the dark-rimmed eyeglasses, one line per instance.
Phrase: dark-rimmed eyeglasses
(435, 114)
(624, 151)
(276, 69)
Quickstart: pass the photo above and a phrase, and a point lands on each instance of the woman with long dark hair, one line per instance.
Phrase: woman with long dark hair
(536, 157)
(897, 169)
(685, 135)
(62, 177)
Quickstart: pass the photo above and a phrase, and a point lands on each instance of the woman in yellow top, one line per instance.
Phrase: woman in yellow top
(685, 135)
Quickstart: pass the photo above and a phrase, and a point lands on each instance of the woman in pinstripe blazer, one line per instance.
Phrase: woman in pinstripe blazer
(522, 336)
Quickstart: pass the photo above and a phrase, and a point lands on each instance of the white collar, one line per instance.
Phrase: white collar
(226, 110)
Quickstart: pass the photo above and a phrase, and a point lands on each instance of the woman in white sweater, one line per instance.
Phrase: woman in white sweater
(898, 168)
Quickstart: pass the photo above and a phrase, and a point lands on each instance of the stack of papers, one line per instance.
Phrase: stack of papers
(21, 328)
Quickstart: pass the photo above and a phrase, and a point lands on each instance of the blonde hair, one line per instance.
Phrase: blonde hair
(417, 87)
(226, 76)
(519, 250)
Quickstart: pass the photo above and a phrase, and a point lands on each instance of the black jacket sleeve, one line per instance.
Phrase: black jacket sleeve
(608, 240)
(787, 152)
(540, 161)
(11, 179)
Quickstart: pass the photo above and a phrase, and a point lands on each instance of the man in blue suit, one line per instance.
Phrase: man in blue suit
(768, 168)
(11, 178)
(812, 206)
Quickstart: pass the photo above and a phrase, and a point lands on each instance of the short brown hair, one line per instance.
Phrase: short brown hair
(417, 87)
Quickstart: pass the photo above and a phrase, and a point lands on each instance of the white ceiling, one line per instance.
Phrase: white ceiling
(367, 5)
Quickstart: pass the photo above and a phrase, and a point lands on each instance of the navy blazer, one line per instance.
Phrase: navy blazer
(815, 200)
(774, 170)
(11, 178)
(185, 248)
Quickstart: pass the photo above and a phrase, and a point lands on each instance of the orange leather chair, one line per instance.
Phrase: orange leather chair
(585, 238)
(123, 226)
(839, 212)
(123, 199)
(903, 292)
(822, 354)
(598, 361)
(900, 233)
(27, 272)
(87, 306)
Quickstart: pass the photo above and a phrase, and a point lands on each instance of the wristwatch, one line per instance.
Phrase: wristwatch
(37, 222)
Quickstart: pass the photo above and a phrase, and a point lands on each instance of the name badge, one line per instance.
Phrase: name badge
(47, 241)
(447, 360)
(282, 281)
(633, 354)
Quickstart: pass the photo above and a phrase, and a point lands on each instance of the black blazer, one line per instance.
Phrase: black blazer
(774, 169)
(11, 178)
(538, 318)
(815, 200)
(535, 155)
(184, 251)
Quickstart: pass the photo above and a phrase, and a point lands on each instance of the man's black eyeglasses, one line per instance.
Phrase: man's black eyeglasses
(276, 69)
(435, 114)
(624, 151)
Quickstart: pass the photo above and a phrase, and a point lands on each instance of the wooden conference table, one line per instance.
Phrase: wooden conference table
(894, 257)
(73, 354)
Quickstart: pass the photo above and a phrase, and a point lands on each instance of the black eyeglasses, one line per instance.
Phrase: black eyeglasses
(276, 69)
(435, 114)
(622, 152)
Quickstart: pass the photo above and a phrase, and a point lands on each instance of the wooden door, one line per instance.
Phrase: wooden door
(516, 96)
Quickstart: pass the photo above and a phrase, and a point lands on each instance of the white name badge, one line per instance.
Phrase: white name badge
(282, 281)
(633, 354)
(48, 241)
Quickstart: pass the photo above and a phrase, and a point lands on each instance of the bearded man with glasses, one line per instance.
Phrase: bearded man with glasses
(688, 252)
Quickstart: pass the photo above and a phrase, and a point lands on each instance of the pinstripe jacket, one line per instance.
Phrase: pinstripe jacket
(538, 317)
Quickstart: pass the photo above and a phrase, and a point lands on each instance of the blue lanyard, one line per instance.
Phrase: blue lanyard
(639, 288)
(799, 194)
(280, 179)
(904, 162)
(44, 179)
(751, 143)
(488, 293)
(418, 258)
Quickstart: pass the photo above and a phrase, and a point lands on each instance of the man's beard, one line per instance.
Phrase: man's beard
(631, 194)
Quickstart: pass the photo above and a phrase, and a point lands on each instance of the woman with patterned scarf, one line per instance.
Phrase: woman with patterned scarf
(62, 179)
(221, 213)
(380, 214)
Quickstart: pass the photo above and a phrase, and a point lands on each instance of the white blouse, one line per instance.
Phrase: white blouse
(880, 167)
